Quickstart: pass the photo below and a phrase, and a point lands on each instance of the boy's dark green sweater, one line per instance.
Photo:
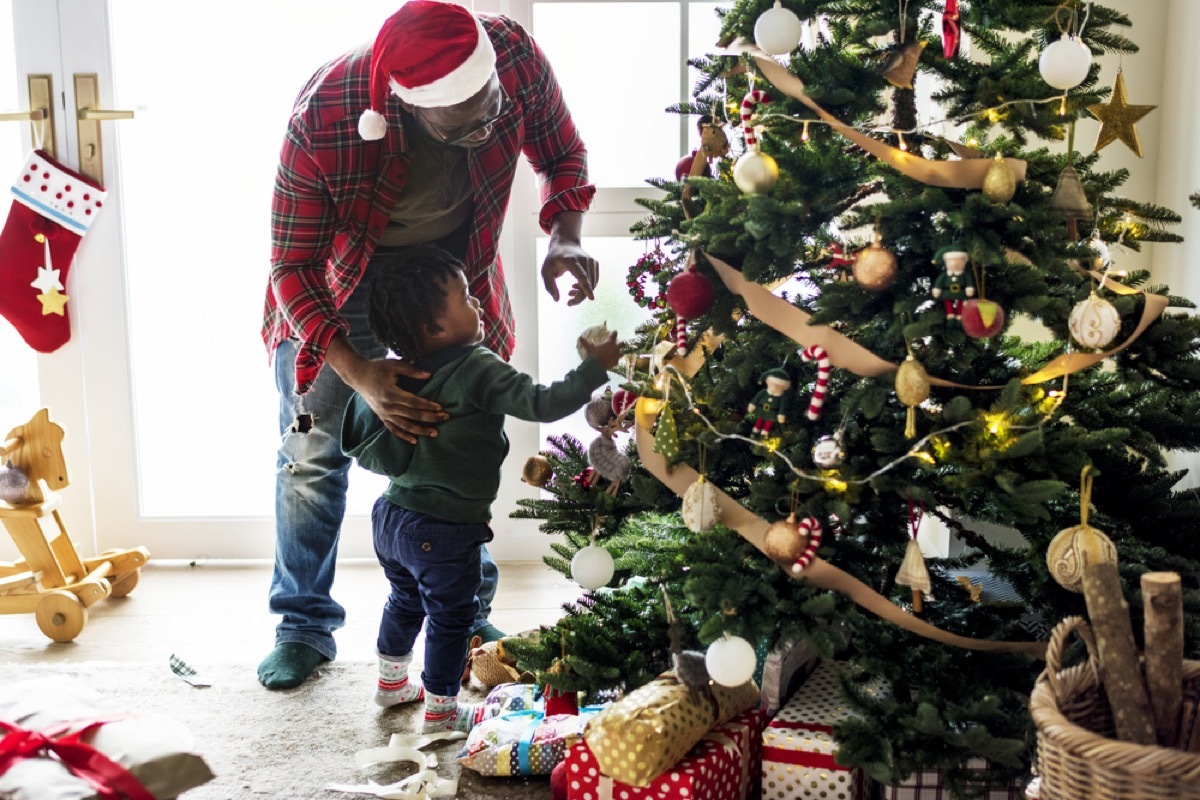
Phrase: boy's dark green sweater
(455, 476)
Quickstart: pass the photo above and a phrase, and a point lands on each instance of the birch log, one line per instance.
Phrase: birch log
(1162, 599)
(1119, 668)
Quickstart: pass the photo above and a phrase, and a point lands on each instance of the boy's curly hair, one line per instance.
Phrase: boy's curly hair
(408, 297)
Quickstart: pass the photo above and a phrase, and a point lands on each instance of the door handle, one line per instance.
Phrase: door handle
(87, 124)
(40, 114)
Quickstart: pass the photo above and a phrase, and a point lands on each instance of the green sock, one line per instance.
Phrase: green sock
(288, 665)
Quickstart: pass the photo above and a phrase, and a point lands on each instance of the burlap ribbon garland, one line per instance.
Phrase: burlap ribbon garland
(843, 352)
(968, 173)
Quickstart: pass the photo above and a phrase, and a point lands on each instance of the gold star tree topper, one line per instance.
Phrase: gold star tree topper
(1118, 119)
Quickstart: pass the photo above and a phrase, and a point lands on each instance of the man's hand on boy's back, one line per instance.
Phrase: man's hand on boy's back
(608, 352)
(403, 413)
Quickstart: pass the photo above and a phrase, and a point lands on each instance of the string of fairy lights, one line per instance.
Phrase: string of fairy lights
(995, 423)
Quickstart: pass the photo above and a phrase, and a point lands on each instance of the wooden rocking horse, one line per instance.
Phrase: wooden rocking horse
(52, 581)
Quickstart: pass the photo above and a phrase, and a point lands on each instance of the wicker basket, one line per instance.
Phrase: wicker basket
(1079, 759)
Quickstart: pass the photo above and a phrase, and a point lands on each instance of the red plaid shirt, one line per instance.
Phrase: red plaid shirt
(334, 192)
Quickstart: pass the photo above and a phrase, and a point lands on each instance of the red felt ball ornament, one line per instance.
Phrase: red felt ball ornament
(690, 294)
(558, 781)
(622, 401)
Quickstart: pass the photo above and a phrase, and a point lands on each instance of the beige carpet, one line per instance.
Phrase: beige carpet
(288, 744)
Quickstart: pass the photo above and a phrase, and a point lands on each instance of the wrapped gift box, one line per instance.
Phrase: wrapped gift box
(643, 734)
(927, 784)
(799, 751)
(522, 742)
(151, 750)
(724, 765)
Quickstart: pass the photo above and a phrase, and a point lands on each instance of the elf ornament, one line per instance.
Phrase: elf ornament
(954, 284)
(772, 404)
(54, 209)
(1076, 547)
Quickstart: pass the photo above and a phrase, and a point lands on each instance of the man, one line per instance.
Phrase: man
(451, 100)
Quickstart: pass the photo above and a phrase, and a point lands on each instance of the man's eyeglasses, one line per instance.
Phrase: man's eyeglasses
(473, 135)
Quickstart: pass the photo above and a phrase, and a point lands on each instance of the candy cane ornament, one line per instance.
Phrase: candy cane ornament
(812, 529)
(824, 367)
(752, 99)
(681, 345)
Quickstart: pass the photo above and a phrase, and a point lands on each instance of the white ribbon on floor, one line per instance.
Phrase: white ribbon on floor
(422, 785)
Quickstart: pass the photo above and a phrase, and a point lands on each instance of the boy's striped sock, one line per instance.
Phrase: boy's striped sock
(447, 714)
(394, 686)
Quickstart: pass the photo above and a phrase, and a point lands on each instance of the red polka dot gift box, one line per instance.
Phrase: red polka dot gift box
(724, 765)
(799, 755)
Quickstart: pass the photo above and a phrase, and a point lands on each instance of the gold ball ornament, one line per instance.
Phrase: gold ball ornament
(1075, 548)
(912, 387)
(912, 382)
(755, 172)
(783, 541)
(874, 267)
(537, 471)
(999, 182)
(1094, 322)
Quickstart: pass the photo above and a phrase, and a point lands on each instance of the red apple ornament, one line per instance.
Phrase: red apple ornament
(982, 319)
(623, 400)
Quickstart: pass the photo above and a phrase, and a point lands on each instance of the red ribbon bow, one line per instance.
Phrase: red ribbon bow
(107, 778)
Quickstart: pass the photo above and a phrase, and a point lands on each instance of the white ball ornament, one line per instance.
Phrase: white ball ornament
(755, 172)
(701, 509)
(730, 660)
(1094, 322)
(777, 31)
(1065, 63)
(592, 567)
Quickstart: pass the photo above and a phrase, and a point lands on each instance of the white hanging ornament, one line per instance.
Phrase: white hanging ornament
(777, 30)
(592, 567)
(700, 510)
(828, 452)
(730, 660)
(1065, 63)
(1094, 322)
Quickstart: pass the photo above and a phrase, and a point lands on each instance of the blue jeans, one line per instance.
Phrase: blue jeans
(434, 569)
(310, 495)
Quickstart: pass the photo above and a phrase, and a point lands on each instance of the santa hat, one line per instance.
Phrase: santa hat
(430, 54)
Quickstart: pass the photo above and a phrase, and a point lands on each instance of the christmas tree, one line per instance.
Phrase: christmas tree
(940, 296)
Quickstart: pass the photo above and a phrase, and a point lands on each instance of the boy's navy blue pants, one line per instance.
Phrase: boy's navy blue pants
(434, 569)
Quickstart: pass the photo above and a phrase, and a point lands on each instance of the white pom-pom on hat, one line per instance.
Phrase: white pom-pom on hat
(372, 125)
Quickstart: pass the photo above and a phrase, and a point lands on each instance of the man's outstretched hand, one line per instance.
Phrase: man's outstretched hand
(566, 256)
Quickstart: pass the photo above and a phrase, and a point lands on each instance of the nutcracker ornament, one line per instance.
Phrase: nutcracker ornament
(954, 284)
(772, 404)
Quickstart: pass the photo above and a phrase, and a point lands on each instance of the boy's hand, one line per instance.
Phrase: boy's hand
(607, 352)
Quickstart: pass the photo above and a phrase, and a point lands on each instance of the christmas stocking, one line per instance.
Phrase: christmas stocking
(54, 208)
